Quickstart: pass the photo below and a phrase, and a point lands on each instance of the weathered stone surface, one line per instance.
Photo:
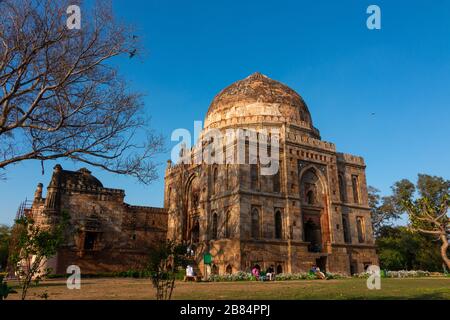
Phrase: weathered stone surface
(105, 234)
(316, 206)
(315, 212)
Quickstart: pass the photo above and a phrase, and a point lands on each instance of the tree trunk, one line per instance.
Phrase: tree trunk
(444, 248)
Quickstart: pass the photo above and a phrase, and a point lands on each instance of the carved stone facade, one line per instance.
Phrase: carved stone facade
(105, 234)
(314, 211)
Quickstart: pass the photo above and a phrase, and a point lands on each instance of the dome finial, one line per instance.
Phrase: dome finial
(257, 75)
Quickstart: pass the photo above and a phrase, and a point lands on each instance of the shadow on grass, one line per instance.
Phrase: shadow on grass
(423, 296)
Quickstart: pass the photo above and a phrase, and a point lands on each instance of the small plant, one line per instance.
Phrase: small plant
(43, 295)
(5, 290)
(32, 246)
(164, 265)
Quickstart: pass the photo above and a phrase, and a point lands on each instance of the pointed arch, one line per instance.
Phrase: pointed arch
(215, 180)
(214, 226)
(278, 224)
(255, 223)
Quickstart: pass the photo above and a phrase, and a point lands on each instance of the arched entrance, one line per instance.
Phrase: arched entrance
(313, 235)
(190, 210)
(195, 232)
(279, 269)
(313, 195)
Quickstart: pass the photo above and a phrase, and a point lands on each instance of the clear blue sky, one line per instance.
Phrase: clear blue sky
(322, 49)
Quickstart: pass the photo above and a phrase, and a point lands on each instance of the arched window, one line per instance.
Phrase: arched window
(361, 229)
(254, 178)
(195, 233)
(215, 186)
(279, 269)
(355, 186)
(214, 225)
(342, 187)
(255, 223)
(227, 224)
(310, 197)
(311, 188)
(229, 269)
(214, 269)
(346, 228)
(277, 179)
(278, 225)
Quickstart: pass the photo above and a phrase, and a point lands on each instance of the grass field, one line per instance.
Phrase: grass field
(128, 288)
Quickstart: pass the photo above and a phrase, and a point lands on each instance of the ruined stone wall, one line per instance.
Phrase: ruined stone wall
(104, 233)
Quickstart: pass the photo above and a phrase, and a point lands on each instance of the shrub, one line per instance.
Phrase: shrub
(397, 274)
(330, 276)
(238, 276)
(245, 276)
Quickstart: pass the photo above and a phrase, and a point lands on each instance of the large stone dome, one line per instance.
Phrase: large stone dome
(257, 99)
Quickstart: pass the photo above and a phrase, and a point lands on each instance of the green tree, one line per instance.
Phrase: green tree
(32, 245)
(384, 210)
(426, 204)
(5, 290)
(5, 237)
(165, 262)
(400, 248)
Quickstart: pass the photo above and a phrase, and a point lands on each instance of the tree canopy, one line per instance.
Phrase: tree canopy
(61, 95)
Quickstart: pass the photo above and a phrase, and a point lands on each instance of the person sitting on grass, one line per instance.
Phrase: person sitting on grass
(316, 271)
(262, 276)
(190, 274)
(255, 272)
(270, 272)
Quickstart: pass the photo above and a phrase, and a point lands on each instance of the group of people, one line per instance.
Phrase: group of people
(316, 271)
(269, 275)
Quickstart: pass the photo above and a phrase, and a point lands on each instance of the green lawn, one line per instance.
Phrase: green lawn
(127, 288)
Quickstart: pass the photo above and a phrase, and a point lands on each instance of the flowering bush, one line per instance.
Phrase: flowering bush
(407, 274)
(245, 276)
(397, 274)
(238, 276)
(291, 276)
(330, 276)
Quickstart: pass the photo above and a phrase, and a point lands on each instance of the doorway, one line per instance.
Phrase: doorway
(313, 236)
(321, 263)
(195, 233)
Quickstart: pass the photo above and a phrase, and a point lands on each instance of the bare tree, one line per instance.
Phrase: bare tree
(61, 95)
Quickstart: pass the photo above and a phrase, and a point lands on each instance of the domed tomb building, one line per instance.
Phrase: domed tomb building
(312, 212)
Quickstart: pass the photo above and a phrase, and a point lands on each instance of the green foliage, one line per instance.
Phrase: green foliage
(165, 261)
(5, 290)
(5, 238)
(31, 246)
(397, 274)
(238, 276)
(399, 248)
(384, 210)
(247, 276)
(426, 204)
